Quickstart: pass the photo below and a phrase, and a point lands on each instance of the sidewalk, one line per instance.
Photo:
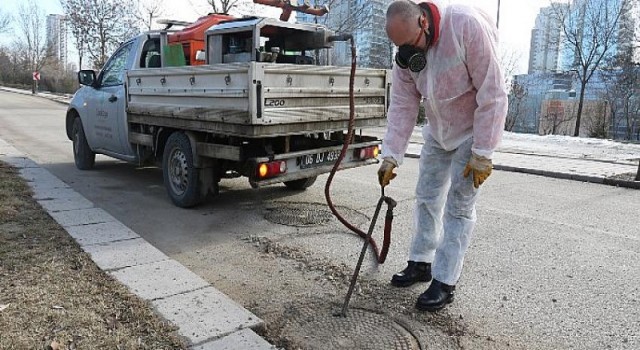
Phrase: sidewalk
(595, 171)
(598, 166)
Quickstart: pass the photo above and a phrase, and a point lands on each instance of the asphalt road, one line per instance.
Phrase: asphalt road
(555, 264)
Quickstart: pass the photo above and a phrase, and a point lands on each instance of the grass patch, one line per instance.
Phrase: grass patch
(52, 295)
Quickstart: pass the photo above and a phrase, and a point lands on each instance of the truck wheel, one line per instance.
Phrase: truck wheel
(181, 178)
(83, 156)
(301, 184)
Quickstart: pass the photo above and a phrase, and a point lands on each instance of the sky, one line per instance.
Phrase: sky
(517, 18)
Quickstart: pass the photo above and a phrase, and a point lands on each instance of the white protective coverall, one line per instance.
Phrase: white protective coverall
(465, 100)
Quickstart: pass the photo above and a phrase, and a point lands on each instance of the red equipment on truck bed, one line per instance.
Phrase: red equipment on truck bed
(192, 36)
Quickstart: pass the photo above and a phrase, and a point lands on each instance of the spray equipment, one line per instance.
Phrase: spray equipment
(288, 8)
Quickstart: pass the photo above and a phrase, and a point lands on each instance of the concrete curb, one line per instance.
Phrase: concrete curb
(205, 316)
(623, 183)
(576, 177)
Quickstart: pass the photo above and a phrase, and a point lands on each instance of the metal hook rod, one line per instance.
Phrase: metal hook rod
(354, 278)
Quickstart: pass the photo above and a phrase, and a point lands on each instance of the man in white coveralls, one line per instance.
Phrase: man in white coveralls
(447, 58)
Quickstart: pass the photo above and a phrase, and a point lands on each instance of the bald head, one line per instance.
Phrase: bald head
(404, 10)
(403, 23)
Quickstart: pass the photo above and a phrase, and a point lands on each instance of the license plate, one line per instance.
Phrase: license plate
(317, 159)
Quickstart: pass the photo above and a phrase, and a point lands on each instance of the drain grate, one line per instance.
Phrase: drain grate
(361, 329)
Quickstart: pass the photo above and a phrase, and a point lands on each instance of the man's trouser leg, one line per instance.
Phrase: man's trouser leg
(459, 220)
(431, 189)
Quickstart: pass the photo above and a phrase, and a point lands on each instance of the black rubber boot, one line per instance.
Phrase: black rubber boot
(413, 273)
(437, 296)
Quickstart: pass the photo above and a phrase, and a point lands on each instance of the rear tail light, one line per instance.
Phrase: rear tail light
(271, 169)
(367, 153)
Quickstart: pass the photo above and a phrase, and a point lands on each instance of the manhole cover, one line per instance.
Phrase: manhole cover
(299, 214)
(361, 329)
(311, 214)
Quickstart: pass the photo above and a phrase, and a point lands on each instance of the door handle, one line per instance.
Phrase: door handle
(113, 98)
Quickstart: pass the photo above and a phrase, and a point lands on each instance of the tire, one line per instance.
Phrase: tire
(83, 156)
(181, 177)
(301, 184)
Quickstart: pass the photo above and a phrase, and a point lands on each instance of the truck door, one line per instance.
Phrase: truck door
(110, 119)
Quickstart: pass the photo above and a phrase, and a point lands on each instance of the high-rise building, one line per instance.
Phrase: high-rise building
(546, 42)
(364, 19)
(57, 37)
(629, 30)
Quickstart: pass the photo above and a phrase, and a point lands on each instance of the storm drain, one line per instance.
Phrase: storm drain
(308, 214)
(361, 329)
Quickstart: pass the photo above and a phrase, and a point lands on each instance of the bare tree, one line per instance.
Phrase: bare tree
(237, 8)
(622, 90)
(5, 22)
(223, 6)
(622, 76)
(598, 119)
(150, 9)
(31, 38)
(509, 58)
(590, 30)
(7, 66)
(353, 17)
(106, 24)
(345, 16)
(76, 16)
(517, 94)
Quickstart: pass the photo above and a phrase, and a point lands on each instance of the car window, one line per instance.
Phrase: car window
(150, 57)
(113, 72)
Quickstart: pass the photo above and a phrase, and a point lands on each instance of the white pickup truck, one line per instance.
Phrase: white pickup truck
(258, 107)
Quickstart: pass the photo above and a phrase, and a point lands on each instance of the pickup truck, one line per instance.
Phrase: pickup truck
(258, 106)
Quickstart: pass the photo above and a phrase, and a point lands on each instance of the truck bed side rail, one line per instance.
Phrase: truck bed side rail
(257, 97)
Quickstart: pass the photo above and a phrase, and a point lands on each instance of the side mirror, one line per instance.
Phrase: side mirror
(87, 77)
(200, 56)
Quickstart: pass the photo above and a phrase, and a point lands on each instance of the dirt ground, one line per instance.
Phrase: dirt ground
(52, 296)
(297, 295)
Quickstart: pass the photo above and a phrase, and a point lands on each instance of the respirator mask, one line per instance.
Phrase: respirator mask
(410, 56)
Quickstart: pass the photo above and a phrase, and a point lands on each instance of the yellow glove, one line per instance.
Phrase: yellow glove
(481, 168)
(385, 173)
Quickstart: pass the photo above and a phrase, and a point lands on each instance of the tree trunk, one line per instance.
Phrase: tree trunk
(580, 104)
(638, 172)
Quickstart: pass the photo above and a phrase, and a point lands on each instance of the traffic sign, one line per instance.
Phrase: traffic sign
(36, 76)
